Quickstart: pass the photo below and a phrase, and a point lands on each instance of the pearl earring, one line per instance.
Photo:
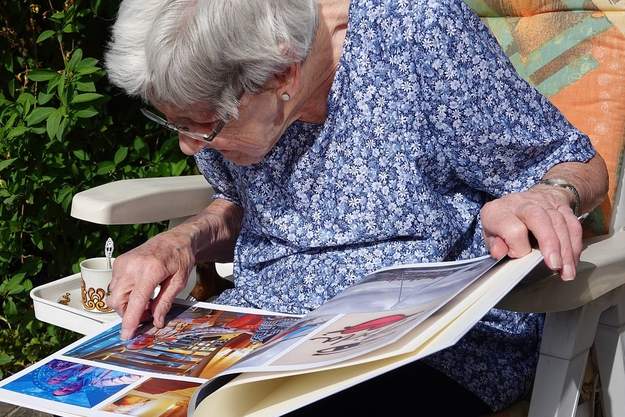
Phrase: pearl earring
(285, 97)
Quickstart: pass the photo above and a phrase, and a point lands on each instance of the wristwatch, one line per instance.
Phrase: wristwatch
(558, 182)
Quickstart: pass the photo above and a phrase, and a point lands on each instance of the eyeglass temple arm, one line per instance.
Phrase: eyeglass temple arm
(159, 120)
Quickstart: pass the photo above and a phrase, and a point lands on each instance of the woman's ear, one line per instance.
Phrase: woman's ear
(287, 82)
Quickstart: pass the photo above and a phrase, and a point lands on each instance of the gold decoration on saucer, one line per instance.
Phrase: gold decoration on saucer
(64, 299)
(93, 299)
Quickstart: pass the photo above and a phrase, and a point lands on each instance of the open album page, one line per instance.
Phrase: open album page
(367, 316)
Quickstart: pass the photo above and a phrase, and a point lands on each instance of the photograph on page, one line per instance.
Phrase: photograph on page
(194, 342)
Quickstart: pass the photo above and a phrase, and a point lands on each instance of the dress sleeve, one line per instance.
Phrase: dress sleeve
(212, 165)
(499, 133)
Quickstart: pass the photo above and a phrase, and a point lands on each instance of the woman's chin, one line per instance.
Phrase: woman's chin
(240, 159)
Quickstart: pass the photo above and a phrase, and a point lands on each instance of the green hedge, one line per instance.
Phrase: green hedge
(63, 129)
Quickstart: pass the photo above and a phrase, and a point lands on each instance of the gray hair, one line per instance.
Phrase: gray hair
(185, 52)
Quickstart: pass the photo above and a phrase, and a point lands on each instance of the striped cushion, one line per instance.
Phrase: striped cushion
(572, 51)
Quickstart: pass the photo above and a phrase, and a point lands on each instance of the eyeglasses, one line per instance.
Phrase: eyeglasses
(202, 137)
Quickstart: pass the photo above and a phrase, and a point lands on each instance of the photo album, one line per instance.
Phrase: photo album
(217, 360)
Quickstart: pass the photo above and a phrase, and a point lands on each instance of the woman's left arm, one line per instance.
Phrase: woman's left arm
(545, 212)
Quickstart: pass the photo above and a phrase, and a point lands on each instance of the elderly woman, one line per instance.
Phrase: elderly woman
(341, 137)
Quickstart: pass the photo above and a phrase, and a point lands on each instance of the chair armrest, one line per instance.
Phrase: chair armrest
(145, 200)
(601, 270)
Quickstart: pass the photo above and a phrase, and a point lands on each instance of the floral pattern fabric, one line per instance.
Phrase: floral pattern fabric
(427, 121)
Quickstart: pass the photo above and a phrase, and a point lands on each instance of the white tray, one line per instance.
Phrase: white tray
(71, 316)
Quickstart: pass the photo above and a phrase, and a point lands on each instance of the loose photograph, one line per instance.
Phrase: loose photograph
(155, 397)
(71, 383)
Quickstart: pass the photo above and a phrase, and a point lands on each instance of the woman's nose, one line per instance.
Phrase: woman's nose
(190, 146)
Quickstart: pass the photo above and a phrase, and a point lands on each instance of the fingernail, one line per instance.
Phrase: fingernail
(554, 261)
(124, 335)
(568, 273)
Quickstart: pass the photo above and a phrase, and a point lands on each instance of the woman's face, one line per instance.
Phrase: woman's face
(243, 141)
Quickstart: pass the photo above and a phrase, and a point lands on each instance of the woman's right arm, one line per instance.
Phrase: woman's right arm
(167, 260)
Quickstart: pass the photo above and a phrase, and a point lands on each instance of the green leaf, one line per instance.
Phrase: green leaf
(86, 98)
(10, 309)
(86, 113)
(120, 155)
(39, 115)
(44, 98)
(45, 35)
(14, 285)
(61, 132)
(58, 16)
(16, 132)
(53, 123)
(60, 89)
(177, 168)
(11, 86)
(139, 144)
(87, 70)
(95, 6)
(105, 167)
(75, 59)
(5, 358)
(81, 155)
(12, 119)
(88, 62)
(26, 100)
(37, 241)
(141, 148)
(6, 163)
(53, 84)
(64, 194)
(88, 87)
(41, 75)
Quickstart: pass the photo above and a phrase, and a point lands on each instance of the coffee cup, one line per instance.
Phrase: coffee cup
(96, 277)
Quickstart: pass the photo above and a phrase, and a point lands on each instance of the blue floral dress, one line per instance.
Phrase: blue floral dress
(427, 121)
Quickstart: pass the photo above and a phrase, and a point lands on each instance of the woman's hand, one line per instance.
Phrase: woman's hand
(164, 260)
(545, 212)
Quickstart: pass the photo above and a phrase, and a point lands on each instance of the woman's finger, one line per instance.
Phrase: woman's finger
(497, 247)
(575, 231)
(117, 299)
(560, 226)
(509, 228)
(120, 287)
(137, 302)
(165, 299)
(539, 223)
